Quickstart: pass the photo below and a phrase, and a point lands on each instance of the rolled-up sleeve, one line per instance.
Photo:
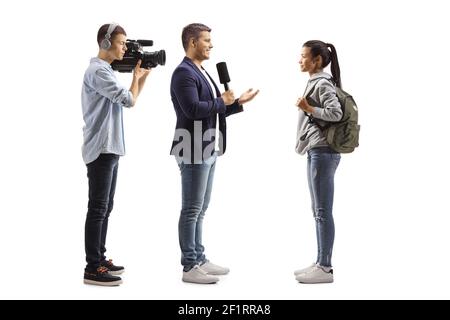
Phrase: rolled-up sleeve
(107, 85)
(330, 109)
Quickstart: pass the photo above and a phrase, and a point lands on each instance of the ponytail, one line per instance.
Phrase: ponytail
(335, 70)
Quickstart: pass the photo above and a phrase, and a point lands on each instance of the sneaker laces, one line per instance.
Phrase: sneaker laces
(102, 270)
(203, 272)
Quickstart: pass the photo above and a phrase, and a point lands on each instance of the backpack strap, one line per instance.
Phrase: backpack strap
(311, 118)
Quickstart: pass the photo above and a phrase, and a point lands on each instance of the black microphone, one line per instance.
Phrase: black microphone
(145, 43)
(223, 74)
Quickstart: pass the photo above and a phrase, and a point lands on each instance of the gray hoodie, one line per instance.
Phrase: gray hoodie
(326, 108)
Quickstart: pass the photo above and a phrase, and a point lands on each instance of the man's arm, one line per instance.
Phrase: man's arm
(139, 77)
(185, 90)
(107, 85)
(236, 107)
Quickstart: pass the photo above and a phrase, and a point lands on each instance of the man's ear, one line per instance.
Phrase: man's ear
(192, 43)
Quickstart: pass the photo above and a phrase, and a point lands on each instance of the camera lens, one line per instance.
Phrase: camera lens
(152, 59)
(161, 57)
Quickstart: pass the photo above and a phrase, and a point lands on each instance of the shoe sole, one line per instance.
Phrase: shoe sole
(116, 273)
(196, 282)
(218, 273)
(103, 284)
(315, 282)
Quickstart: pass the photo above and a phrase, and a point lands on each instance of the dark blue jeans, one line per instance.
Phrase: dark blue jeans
(102, 175)
(322, 165)
(196, 185)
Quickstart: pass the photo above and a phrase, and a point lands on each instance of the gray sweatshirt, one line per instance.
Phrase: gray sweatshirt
(326, 108)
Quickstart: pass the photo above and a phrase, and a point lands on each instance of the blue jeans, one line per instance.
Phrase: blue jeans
(102, 175)
(322, 164)
(196, 185)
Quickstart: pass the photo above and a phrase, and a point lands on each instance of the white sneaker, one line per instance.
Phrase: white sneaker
(317, 274)
(214, 269)
(197, 275)
(304, 270)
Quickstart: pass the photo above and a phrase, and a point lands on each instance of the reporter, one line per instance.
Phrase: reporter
(198, 104)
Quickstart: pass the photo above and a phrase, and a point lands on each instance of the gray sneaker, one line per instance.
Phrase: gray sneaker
(317, 274)
(197, 275)
(214, 269)
(304, 270)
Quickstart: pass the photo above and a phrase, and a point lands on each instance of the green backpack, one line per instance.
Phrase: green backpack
(343, 135)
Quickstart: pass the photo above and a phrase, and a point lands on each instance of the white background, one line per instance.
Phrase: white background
(391, 211)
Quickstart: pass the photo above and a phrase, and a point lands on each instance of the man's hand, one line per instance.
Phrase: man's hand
(140, 73)
(139, 76)
(228, 97)
(303, 104)
(247, 96)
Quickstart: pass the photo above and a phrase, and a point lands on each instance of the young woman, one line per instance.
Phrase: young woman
(318, 106)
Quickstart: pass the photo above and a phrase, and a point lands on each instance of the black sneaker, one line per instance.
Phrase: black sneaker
(112, 269)
(101, 277)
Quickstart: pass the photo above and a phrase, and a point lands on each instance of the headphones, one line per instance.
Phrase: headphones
(106, 43)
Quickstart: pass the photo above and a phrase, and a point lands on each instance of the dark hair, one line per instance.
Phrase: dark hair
(104, 29)
(320, 48)
(192, 30)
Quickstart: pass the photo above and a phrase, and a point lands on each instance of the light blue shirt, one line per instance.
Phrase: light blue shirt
(102, 99)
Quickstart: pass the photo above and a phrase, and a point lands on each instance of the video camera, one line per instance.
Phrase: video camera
(135, 52)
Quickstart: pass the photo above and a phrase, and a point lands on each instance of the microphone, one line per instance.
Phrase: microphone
(145, 43)
(223, 74)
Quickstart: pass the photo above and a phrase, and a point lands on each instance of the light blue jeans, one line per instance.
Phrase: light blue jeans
(196, 185)
(322, 165)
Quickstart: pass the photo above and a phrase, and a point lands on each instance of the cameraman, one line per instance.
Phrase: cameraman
(102, 99)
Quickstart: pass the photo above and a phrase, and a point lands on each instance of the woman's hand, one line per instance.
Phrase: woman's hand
(303, 104)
